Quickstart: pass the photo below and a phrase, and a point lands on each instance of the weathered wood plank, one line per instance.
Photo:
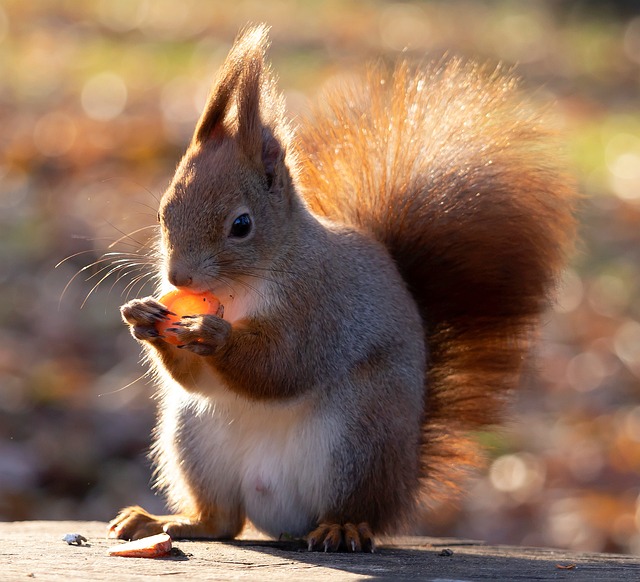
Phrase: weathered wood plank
(35, 550)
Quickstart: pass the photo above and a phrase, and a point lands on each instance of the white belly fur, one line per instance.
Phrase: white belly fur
(270, 458)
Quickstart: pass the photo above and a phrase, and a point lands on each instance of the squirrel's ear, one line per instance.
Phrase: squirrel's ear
(245, 105)
(211, 123)
(248, 47)
(258, 108)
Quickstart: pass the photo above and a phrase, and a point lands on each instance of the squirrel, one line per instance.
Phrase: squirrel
(382, 267)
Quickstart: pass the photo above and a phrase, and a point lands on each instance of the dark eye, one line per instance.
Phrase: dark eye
(241, 226)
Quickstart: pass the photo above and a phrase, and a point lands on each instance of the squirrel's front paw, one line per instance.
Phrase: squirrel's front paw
(143, 315)
(201, 334)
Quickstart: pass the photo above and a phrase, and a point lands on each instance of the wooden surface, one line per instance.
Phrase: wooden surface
(35, 550)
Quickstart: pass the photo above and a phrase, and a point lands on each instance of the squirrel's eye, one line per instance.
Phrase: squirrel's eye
(241, 226)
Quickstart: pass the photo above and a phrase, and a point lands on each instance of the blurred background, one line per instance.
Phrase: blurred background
(98, 99)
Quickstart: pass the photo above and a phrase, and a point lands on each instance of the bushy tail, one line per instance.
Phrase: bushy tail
(458, 177)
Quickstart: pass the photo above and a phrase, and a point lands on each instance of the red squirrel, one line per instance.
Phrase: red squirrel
(382, 268)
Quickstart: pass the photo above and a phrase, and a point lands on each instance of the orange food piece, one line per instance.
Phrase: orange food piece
(149, 547)
(183, 303)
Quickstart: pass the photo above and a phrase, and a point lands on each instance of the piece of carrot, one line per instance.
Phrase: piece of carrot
(183, 303)
(149, 547)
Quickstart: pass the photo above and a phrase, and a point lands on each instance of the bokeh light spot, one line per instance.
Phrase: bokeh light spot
(586, 371)
(626, 343)
(104, 96)
(622, 155)
(520, 474)
(609, 295)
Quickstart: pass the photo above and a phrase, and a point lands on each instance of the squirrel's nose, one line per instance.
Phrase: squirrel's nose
(180, 277)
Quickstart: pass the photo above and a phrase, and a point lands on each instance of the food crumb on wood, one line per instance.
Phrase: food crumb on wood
(149, 547)
(565, 566)
(74, 538)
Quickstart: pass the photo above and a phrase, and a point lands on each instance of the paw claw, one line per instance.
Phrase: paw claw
(142, 315)
(341, 537)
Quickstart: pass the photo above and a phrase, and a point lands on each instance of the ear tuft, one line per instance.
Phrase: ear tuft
(248, 51)
(244, 105)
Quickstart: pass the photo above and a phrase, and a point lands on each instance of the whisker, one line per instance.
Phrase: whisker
(227, 282)
(146, 279)
(134, 247)
(73, 256)
(249, 272)
(271, 270)
(231, 272)
(130, 285)
(123, 254)
(122, 274)
(133, 282)
(103, 259)
(113, 270)
(119, 264)
(126, 178)
(111, 258)
(121, 240)
(129, 254)
(147, 373)
(152, 208)
(231, 266)
(251, 287)
(130, 235)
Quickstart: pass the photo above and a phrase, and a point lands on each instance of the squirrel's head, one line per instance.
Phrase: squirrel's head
(226, 212)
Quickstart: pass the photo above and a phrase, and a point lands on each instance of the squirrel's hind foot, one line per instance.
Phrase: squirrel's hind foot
(134, 522)
(347, 537)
